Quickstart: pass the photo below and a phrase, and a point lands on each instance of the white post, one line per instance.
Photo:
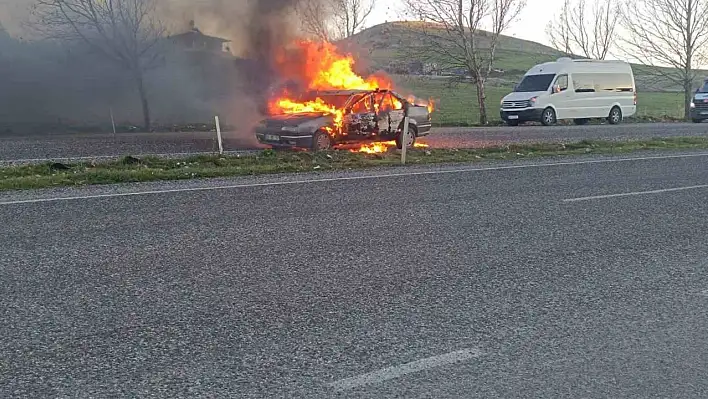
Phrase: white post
(113, 122)
(218, 135)
(404, 140)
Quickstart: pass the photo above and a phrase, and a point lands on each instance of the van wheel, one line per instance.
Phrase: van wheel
(583, 121)
(615, 116)
(548, 117)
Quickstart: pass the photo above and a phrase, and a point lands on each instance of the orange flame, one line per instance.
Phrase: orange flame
(287, 106)
(381, 147)
(375, 148)
(430, 103)
(320, 66)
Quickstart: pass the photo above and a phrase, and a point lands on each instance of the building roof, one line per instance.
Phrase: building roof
(197, 33)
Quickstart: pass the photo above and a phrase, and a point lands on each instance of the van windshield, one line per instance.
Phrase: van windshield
(704, 88)
(535, 82)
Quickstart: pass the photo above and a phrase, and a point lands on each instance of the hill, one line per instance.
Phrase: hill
(386, 45)
(391, 45)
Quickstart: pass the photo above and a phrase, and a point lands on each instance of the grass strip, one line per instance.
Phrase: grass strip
(131, 169)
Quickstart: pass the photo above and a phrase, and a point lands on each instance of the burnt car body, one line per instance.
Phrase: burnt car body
(368, 116)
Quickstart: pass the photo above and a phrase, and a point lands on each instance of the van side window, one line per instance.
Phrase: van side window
(617, 82)
(596, 82)
(562, 82)
(583, 83)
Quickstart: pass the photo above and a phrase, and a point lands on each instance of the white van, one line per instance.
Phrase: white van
(572, 89)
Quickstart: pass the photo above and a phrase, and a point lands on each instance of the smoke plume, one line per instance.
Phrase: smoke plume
(59, 84)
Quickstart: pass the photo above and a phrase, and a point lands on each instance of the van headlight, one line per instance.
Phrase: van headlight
(693, 105)
(532, 101)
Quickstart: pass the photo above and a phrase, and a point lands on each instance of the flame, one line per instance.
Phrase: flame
(320, 66)
(288, 106)
(383, 146)
(375, 148)
(430, 103)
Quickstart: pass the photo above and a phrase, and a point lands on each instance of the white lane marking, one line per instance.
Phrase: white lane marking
(349, 178)
(390, 373)
(633, 193)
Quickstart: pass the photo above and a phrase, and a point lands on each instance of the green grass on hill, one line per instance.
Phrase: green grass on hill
(382, 45)
(457, 103)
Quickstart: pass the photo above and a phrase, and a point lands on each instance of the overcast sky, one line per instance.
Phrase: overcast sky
(531, 24)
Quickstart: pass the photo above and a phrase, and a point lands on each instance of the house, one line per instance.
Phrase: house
(195, 40)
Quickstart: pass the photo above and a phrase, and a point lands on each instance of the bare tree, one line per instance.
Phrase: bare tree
(585, 31)
(351, 15)
(454, 36)
(316, 17)
(670, 36)
(124, 31)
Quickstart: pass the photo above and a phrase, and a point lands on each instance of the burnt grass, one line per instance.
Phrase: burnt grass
(143, 169)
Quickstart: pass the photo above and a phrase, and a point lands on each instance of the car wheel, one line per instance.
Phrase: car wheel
(321, 141)
(615, 116)
(583, 121)
(548, 117)
(512, 123)
(412, 134)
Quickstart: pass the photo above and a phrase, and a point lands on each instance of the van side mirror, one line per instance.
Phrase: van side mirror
(555, 89)
(516, 86)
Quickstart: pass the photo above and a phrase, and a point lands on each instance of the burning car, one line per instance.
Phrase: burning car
(321, 119)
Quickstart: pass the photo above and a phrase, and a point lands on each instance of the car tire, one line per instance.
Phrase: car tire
(512, 123)
(412, 134)
(548, 117)
(582, 121)
(321, 141)
(615, 116)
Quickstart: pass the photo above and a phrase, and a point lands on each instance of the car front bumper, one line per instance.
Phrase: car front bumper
(283, 139)
(521, 115)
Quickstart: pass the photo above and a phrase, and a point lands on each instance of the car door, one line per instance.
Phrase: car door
(561, 98)
(391, 114)
(361, 120)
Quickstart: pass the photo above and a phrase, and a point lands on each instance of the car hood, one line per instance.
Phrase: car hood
(295, 119)
(523, 96)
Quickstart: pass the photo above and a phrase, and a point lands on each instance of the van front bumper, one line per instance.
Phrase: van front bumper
(699, 113)
(521, 115)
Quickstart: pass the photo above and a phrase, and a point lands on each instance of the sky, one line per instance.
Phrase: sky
(530, 25)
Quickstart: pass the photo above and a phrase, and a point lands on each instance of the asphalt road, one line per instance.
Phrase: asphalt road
(511, 281)
(89, 145)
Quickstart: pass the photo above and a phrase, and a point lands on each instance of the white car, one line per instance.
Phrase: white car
(572, 89)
